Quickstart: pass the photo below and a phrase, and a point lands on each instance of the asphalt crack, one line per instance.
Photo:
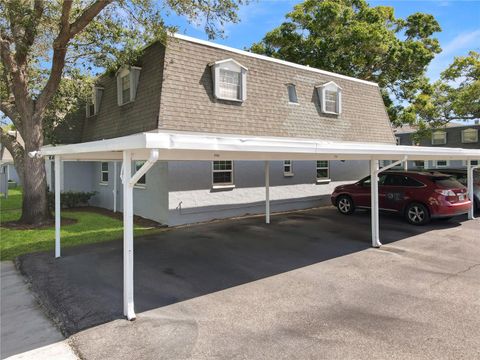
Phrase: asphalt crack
(456, 274)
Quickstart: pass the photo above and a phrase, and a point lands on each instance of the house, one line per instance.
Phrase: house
(453, 135)
(193, 86)
(8, 173)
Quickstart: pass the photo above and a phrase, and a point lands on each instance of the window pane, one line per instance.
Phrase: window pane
(470, 136)
(104, 166)
(229, 84)
(126, 88)
(439, 138)
(105, 176)
(222, 177)
(330, 101)
(322, 164)
(292, 94)
(322, 173)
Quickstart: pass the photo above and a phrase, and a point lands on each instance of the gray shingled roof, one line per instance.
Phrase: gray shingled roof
(175, 92)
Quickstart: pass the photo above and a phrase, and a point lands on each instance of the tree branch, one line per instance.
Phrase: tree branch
(16, 150)
(30, 31)
(67, 32)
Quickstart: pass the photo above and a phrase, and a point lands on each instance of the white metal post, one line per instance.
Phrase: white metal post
(374, 203)
(470, 179)
(114, 186)
(267, 192)
(128, 309)
(58, 181)
(405, 166)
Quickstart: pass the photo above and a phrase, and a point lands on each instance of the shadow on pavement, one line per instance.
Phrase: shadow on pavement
(84, 288)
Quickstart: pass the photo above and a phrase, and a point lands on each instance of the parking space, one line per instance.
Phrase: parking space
(308, 285)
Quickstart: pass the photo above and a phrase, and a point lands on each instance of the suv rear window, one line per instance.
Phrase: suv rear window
(446, 182)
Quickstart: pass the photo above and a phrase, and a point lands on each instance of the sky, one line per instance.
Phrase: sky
(459, 20)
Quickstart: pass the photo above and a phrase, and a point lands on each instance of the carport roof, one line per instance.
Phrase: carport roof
(203, 146)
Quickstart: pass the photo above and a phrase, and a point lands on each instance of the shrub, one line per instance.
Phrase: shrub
(71, 199)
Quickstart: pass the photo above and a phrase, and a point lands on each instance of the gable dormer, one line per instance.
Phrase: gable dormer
(127, 83)
(330, 95)
(229, 80)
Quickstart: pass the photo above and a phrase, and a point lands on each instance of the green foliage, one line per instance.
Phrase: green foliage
(89, 228)
(70, 199)
(352, 38)
(456, 96)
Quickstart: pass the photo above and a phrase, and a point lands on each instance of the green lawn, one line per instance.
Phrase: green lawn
(90, 228)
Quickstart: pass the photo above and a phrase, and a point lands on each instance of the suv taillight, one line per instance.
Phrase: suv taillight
(445, 192)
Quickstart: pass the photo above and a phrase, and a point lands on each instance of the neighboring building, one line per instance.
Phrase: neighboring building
(8, 173)
(452, 135)
(196, 86)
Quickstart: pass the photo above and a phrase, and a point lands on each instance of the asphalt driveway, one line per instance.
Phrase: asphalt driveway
(307, 286)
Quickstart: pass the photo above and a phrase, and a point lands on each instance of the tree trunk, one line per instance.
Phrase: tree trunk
(34, 206)
(35, 209)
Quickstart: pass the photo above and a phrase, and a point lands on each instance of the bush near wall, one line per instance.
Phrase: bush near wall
(70, 199)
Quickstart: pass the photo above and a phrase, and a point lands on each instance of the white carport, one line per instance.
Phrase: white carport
(162, 145)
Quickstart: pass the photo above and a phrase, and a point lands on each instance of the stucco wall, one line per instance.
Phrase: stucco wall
(192, 199)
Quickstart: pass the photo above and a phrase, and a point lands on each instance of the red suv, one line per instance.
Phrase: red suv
(419, 196)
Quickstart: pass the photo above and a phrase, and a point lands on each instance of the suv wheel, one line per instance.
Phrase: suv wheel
(345, 205)
(417, 214)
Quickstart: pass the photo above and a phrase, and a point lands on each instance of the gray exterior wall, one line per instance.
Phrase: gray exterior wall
(454, 140)
(180, 192)
(192, 198)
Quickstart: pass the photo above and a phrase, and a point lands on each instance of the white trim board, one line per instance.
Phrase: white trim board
(201, 146)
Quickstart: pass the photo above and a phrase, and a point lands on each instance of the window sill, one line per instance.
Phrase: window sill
(228, 99)
(102, 183)
(323, 181)
(128, 102)
(289, 175)
(140, 186)
(330, 113)
(223, 187)
(293, 103)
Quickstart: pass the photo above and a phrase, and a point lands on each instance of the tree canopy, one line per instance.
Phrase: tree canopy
(48, 51)
(352, 38)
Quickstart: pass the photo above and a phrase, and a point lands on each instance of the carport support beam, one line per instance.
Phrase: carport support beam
(374, 203)
(470, 179)
(58, 181)
(128, 308)
(267, 192)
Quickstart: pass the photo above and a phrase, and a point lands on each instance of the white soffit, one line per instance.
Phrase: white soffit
(196, 146)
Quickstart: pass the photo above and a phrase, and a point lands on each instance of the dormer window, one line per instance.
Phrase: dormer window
(93, 105)
(127, 83)
(439, 138)
(469, 136)
(292, 94)
(330, 95)
(229, 80)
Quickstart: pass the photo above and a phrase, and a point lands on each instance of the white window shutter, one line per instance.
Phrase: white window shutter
(98, 98)
(215, 77)
(339, 101)
(134, 76)
(119, 90)
(244, 85)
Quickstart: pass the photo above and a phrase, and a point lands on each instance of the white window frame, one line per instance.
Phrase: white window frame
(474, 162)
(317, 167)
(443, 141)
(223, 185)
(96, 99)
(133, 73)
(435, 164)
(292, 94)
(142, 182)
(229, 65)
(103, 171)
(322, 94)
(469, 131)
(288, 164)
(425, 164)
